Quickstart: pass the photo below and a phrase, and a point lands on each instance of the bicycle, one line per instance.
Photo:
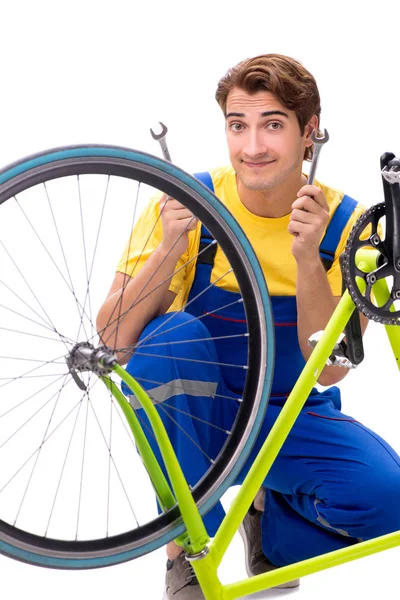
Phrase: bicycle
(28, 530)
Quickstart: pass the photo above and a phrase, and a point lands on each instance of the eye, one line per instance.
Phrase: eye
(274, 125)
(236, 127)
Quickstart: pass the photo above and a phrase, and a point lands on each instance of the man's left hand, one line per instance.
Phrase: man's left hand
(308, 220)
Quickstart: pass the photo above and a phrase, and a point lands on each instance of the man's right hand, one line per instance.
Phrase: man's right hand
(176, 221)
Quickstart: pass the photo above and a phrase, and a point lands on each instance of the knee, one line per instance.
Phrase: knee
(173, 327)
(178, 336)
(379, 503)
(385, 501)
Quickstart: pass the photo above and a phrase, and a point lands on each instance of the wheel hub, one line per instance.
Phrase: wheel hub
(85, 357)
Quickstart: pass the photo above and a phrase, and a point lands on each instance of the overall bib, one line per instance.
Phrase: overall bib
(334, 482)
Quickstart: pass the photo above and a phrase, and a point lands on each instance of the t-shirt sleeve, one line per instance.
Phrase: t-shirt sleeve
(334, 274)
(144, 239)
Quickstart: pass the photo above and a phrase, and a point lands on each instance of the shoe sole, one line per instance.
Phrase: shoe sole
(283, 586)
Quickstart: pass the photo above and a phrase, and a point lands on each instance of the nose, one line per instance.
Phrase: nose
(255, 144)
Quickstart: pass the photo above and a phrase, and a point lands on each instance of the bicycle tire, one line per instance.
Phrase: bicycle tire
(127, 163)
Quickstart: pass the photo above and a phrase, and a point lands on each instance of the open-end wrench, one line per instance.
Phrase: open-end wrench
(319, 141)
(160, 137)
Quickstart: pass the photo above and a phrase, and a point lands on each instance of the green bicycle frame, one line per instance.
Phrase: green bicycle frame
(206, 556)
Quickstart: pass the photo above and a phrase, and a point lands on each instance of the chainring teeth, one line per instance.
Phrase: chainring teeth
(350, 272)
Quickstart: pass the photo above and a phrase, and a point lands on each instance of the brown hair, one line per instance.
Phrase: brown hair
(284, 77)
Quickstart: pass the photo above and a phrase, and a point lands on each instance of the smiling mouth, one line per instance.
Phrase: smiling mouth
(257, 164)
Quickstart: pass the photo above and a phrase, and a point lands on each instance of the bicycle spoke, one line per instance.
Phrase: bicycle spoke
(152, 335)
(195, 418)
(72, 476)
(126, 280)
(204, 453)
(43, 337)
(29, 306)
(34, 414)
(82, 464)
(49, 321)
(39, 450)
(192, 360)
(137, 301)
(86, 267)
(43, 362)
(24, 375)
(36, 449)
(62, 251)
(87, 294)
(113, 462)
(78, 406)
(64, 463)
(79, 306)
(32, 377)
(63, 338)
(109, 463)
(190, 341)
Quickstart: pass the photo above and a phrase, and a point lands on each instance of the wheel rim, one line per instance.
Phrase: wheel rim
(79, 160)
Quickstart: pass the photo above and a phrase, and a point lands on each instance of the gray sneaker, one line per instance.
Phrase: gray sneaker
(180, 581)
(256, 562)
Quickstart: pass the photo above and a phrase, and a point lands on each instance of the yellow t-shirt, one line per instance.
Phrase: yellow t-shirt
(268, 236)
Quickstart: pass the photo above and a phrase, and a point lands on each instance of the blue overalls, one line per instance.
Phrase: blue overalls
(334, 482)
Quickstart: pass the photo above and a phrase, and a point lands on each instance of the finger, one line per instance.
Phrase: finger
(164, 198)
(164, 202)
(182, 216)
(188, 224)
(306, 203)
(192, 224)
(309, 190)
(296, 228)
(313, 192)
(181, 213)
(168, 201)
(173, 206)
(302, 216)
(178, 214)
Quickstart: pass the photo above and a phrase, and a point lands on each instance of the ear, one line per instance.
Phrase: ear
(309, 128)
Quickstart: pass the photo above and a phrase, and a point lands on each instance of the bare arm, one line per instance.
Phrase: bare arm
(315, 301)
(315, 305)
(132, 303)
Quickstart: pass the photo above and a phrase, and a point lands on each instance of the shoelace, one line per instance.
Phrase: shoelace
(191, 577)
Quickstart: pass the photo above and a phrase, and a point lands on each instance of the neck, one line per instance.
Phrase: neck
(272, 203)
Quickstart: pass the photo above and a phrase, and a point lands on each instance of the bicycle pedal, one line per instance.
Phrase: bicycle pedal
(338, 357)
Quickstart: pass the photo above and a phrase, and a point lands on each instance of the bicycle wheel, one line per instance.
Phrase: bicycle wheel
(70, 473)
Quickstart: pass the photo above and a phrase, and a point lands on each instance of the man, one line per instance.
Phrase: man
(334, 482)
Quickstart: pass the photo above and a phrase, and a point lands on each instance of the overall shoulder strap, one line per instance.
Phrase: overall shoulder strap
(205, 179)
(207, 256)
(327, 247)
(334, 231)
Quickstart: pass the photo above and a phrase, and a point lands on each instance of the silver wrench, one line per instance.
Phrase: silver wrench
(319, 141)
(160, 137)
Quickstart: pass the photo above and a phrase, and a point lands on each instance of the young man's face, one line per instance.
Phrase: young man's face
(264, 141)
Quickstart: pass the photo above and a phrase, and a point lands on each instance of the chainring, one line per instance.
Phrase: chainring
(350, 271)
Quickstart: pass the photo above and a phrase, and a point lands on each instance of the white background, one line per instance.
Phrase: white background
(86, 71)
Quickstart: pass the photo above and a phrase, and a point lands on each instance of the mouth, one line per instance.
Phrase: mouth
(258, 164)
